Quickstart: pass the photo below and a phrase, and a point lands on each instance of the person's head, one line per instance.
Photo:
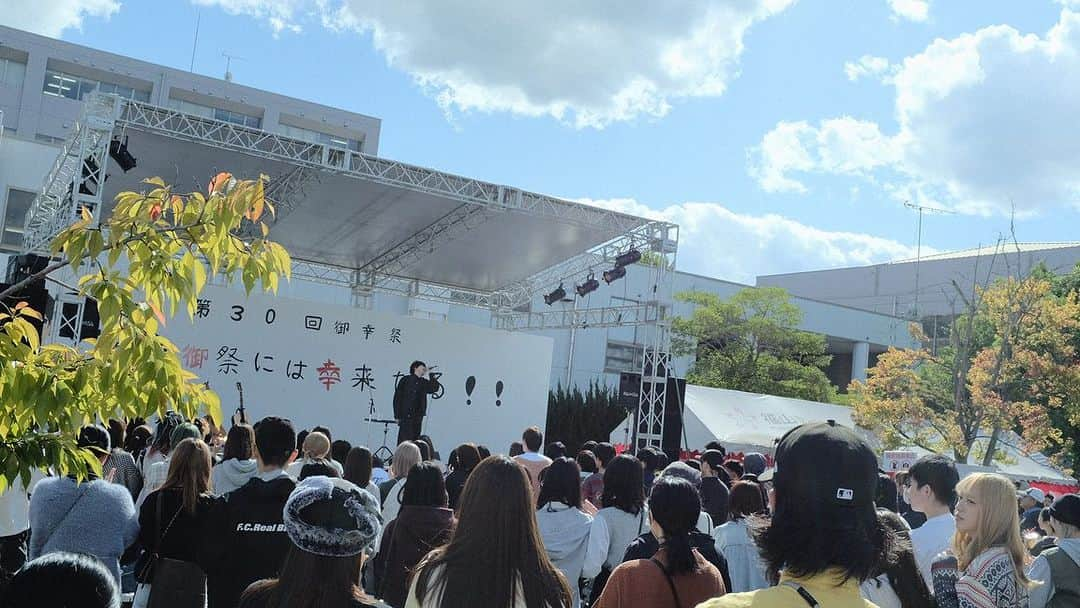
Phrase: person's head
(754, 463)
(712, 461)
(586, 461)
(330, 523)
(94, 439)
(824, 517)
(901, 481)
(649, 460)
(533, 439)
(300, 438)
(189, 471)
(240, 443)
(117, 432)
(624, 484)
(561, 483)
(484, 451)
(1031, 498)
(275, 442)
(495, 548)
(186, 430)
(693, 463)
(744, 500)
(516, 449)
(316, 445)
(425, 487)
(63, 579)
(405, 456)
(683, 471)
(1049, 500)
(589, 445)
(418, 368)
(986, 517)
(203, 426)
(886, 493)
(164, 430)
(734, 469)
(932, 483)
(339, 450)
(1044, 525)
(715, 445)
(1065, 516)
(605, 452)
(138, 439)
(325, 431)
(425, 449)
(555, 449)
(674, 508)
(903, 575)
(467, 457)
(358, 466)
(317, 467)
(431, 444)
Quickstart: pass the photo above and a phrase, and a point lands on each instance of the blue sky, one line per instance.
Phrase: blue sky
(770, 155)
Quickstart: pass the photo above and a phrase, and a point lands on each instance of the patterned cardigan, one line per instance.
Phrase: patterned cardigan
(989, 581)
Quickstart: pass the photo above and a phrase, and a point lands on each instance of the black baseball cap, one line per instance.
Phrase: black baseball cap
(95, 439)
(827, 468)
(1067, 509)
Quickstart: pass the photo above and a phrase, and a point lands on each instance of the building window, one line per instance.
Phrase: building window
(12, 73)
(623, 357)
(237, 118)
(18, 203)
(318, 137)
(60, 84)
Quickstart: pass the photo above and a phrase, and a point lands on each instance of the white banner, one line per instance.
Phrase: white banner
(895, 461)
(334, 366)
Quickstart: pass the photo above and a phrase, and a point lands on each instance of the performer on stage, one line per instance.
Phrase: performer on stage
(410, 400)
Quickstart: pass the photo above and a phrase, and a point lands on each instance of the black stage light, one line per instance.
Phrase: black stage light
(630, 257)
(587, 287)
(614, 274)
(555, 296)
(118, 150)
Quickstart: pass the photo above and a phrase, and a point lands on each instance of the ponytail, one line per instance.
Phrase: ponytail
(675, 506)
(680, 554)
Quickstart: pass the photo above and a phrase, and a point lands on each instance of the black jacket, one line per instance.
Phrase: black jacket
(645, 546)
(714, 499)
(181, 540)
(249, 540)
(410, 396)
(405, 541)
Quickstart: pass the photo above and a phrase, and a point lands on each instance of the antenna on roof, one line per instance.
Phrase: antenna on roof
(918, 247)
(228, 64)
(195, 43)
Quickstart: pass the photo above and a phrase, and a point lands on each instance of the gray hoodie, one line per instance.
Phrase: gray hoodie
(565, 532)
(1042, 593)
(232, 474)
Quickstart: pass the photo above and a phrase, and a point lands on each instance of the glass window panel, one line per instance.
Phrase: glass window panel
(18, 203)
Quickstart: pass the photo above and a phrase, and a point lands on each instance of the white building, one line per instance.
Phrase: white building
(42, 85)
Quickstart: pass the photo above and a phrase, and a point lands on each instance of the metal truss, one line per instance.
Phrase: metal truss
(584, 318)
(283, 191)
(76, 178)
(349, 278)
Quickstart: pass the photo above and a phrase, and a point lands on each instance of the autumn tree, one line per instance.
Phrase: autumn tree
(752, 342)
(147, 261)
(1011, 361)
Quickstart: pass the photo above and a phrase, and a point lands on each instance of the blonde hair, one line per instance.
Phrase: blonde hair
(316, 445)
(189, 471)
(405, 456)
(998, 524)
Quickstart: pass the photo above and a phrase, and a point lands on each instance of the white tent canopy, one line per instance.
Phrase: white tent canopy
(754, 422)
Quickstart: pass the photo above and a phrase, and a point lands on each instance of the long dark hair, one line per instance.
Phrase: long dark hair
(495, 547)
(562, 483)
(358, 466)
(623, 484)
(239, 443)
(425, 486)
(165, 426)
(904, 575)
(674, 505)
(336, 586)
(467, 457)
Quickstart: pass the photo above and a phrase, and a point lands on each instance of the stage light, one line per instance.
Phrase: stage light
(555, 296)
(614, 274)
(118, 151)
(630, 257)
(587, 287)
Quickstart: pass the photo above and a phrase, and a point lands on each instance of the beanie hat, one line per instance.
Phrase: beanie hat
(331, 517)
(754, 463)
(681, 470)
(182, 432)
(1066, 509)
(94, 438)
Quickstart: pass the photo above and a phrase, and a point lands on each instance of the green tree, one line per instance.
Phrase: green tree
(574, 416)
(147, 261)
(751, 342)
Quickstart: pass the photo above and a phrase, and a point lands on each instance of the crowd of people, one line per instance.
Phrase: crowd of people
(184, 514)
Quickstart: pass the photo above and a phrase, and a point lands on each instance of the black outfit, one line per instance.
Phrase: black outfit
(714, 499)
(263, 599)
(405, 541)
(187, 531)
(249, 542)
(13, 553)
(645, 546)
(410, 405)
(455, 483)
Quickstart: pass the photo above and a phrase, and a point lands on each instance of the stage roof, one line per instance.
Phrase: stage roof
(353, 212)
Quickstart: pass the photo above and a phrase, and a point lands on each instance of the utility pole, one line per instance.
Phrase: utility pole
(920, 209)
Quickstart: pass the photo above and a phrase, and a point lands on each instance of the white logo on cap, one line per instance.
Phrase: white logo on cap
(845, 494)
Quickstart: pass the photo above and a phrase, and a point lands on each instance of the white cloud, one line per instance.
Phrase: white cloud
(52, 17)
(985, 123)
(867, 65)
(912, 10)
(718, 242)
(579, 62)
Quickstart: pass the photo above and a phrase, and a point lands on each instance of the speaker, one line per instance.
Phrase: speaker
(91, 321)
(629, 390)
(674, 407)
